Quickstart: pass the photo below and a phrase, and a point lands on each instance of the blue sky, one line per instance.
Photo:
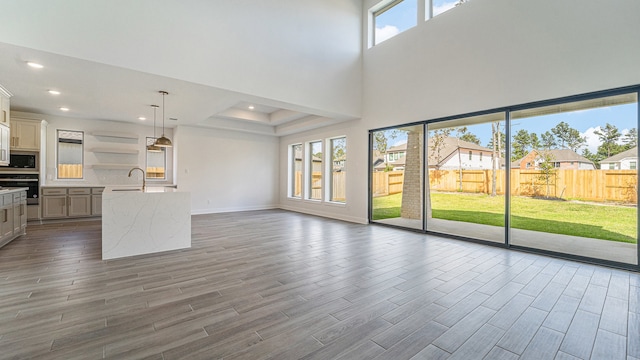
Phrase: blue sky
(404, 16)
(624, 117)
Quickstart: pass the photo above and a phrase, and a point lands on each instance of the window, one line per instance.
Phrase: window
(314, 163)
(338, 173)
(70, 154)
(470, 154)
(393, 17)
(439, 6)
(433, 193)
(156, 162)
(295, 166)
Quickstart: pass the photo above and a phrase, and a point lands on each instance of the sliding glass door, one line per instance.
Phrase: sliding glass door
(574, 178)
(397, 176)
(466, 177)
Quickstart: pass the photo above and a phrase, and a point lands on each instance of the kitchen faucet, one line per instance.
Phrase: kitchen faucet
(143, 176)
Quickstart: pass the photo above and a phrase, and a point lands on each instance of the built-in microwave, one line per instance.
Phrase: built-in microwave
(22, 160)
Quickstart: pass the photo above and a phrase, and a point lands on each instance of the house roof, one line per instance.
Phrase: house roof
(631, 153)
(559, 155)
(399, 147)
(449, 147)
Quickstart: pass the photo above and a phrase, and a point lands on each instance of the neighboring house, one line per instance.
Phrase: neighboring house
(472, 156)
(626, 160)
(562, 159)
(394, 158)
(455, 153)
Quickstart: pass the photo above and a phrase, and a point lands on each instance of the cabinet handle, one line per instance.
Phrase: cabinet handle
(5, 214)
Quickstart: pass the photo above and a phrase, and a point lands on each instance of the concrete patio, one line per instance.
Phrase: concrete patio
(594, 248)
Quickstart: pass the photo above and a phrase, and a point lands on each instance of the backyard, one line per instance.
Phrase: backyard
(598, 221)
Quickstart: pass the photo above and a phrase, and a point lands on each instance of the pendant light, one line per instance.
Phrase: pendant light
(153, 147)
(163, 141)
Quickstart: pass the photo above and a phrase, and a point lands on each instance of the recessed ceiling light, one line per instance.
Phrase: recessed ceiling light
(64, 108)
(34, 65)
(54, 92)
(142, 118)
(251, 107)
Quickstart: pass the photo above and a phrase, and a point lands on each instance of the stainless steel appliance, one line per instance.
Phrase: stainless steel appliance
(22, 161)
(29, 181)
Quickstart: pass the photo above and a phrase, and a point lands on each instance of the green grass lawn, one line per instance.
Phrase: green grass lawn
(608, 222)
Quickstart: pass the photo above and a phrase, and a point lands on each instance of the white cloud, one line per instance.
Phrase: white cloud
(592, 139)
(386, 32)
(439, 9)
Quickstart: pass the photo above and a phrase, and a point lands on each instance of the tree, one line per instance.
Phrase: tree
(535, 141)
(497, 142)
(630, 139)
(593, 157)
(575, 141)
(497, 134)
(546, 164)
(437, 144)
(520, 144)
(469, 137)
(381, 142)
(568, 137)
(561, 132)
(548, 141)
(609, 136)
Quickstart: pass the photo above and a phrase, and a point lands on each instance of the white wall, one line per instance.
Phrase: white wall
(227, 170)
(96, 176)
(301, 52)
(355, 208)
(479, 56)
(491, 53)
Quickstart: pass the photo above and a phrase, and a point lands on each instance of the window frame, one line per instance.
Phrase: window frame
(381, 8)
(291, 192)
(329, 169)
(308, 173)
(149, 140)
(82, 167)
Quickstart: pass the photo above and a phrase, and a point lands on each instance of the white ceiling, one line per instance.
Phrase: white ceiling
(97, 91)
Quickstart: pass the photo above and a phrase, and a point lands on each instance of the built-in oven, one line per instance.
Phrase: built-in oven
(29, 181)
(22, 161)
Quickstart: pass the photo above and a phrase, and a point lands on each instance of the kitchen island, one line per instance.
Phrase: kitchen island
(137, 221)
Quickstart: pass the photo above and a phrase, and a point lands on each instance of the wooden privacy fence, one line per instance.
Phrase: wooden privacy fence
(591, 185)
(338, 185)
(70, 171)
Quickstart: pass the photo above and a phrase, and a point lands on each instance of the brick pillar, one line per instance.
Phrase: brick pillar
(412, 187)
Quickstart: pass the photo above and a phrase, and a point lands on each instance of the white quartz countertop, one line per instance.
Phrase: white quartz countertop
(138, 190)
(9, 190)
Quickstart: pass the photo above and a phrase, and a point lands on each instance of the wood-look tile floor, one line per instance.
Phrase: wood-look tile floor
(283, 285)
